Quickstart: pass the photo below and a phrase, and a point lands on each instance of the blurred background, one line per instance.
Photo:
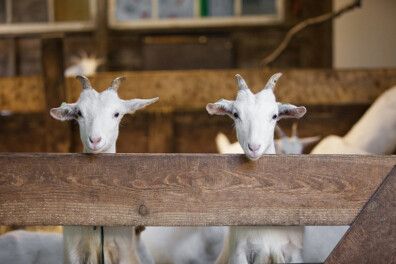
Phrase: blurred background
(187, 52)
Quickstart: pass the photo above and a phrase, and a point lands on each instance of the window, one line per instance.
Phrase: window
(132, 14)
(39, 16)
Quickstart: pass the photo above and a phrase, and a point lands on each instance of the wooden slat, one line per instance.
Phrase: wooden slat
(180, 131)
(22, 94)
(372, 236)
(194, 89)
(182, 189)
(58, 134)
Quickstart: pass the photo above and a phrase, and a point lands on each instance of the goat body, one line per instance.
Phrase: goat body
(99, 115)
(255, 117)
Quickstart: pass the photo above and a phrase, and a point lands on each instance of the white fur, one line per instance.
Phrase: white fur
(179, 245)
(374, 133)
(255, 118)
(83, 65)
(23, 247)
(99, 116)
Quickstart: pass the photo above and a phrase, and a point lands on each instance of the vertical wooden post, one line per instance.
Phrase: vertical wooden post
(101, 32)
(12, 68)
(58, 135)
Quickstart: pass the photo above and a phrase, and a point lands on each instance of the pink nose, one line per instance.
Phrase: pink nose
(95, 140)
(254, 147)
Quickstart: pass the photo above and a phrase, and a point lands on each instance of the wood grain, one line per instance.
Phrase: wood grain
(194, 89)
(184, 190)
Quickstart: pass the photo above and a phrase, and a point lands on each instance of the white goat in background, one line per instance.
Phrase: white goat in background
(83, 65)
(283, 145)
(374, 133)
(255, 117)
(99, 116)
(23, 247)
(181, 245)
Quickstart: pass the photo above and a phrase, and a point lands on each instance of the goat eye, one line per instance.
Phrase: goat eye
(79, 113)
(274, 117)
(236, 115)
(116, 114)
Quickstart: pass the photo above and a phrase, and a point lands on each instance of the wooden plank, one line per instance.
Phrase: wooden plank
(372, 236)
(101, 32)
(182, 189)
(160, 133)
(14, 91)
(187, 52)
(22, 133)
(58, 134)
(180, 131)
(194, 89)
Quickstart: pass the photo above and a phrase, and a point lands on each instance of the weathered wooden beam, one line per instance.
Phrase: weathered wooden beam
(194, 89)
(182, 189)
(372, 236)
(58, 134)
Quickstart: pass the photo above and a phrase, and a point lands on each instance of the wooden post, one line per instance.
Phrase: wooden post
(58, 134)
(101, 32)
(372, 236)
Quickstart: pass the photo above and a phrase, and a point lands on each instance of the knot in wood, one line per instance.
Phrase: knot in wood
(143, 211)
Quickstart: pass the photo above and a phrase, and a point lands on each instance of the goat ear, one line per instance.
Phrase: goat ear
(221, 107)
(64, 112)
(135, 104)
(290, 111)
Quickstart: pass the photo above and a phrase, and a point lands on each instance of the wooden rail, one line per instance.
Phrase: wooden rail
(186, 189)
(194, 89)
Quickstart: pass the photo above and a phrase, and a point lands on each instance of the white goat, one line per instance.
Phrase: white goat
(374, 133)
(283, 145)
(181, 245)
(255, 117)
(83, 65)
(99, 116)
(23, 247)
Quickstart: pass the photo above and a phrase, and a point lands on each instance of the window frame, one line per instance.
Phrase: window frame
(155, 23)
(9, 28)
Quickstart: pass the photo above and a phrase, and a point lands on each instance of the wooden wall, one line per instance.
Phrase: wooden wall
(198, 48)
(178, 122)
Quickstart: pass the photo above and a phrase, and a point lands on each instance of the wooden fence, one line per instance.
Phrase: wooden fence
(208, 189)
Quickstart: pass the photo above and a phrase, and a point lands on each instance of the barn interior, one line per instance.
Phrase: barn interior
(187, 52)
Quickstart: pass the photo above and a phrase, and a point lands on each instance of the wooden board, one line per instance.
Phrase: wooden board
(58, 139)
(194, 89)
(173, 132)
(184, 190)
(372, 236)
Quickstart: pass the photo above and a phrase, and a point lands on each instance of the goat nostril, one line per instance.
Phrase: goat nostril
(253, 147)
(95, 140)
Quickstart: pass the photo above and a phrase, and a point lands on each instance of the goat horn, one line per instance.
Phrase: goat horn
(280, 132)
(272, 81)
(84, 82)
(241, 83)
(116, 83)
(294, 130)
